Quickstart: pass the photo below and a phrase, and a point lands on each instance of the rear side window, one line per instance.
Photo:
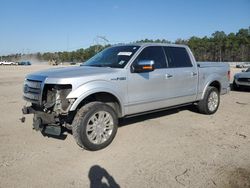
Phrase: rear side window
(154, 53)
(177, 57)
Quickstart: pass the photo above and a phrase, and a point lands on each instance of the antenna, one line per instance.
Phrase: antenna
(103, 38)
(100, 40)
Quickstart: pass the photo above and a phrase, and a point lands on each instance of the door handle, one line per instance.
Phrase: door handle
(167, 76)
(193, 73)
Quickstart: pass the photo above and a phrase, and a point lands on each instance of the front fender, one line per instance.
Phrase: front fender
(89, 88)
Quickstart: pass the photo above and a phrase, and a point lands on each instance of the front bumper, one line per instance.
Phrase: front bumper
(46, 118)
(48, 124)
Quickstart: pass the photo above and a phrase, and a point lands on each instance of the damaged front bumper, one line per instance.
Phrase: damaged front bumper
(44, 122)
(49, 122)
(49, 104)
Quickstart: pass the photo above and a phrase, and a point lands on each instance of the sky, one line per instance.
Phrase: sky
(29, 26)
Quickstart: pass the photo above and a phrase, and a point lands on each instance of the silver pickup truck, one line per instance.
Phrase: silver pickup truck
(121, 81)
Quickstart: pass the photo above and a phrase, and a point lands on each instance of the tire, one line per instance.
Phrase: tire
(211, 101)
(235, 87)
(94, 126)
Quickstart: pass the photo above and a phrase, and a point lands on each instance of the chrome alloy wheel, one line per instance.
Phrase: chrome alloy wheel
(100, 127)
(213, 101)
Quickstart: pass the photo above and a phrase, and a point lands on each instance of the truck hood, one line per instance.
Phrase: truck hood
(72, 72)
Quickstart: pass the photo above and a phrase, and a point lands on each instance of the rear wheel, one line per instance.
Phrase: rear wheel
(210, 103)
(95, 126)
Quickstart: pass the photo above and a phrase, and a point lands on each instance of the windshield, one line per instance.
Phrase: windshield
(248, 70)
(114, 57)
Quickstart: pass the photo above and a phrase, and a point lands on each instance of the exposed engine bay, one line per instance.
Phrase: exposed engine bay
(54, 98)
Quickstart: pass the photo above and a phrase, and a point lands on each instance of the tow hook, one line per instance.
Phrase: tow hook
(22, 119)
(26, 110)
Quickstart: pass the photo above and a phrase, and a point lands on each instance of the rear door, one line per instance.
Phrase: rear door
(181, 75)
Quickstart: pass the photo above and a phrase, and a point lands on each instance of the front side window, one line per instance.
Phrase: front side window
(177, 57)
(154, 53)
(114, 57)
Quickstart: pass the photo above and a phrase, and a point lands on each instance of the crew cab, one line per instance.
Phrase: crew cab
(121, 81)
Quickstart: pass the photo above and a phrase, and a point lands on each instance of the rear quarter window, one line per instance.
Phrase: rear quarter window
(177, 57)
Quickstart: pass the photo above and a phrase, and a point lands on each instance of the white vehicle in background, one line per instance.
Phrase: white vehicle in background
(7, 63)
(243, 65)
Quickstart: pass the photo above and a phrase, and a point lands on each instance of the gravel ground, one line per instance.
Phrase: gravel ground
(176, 148)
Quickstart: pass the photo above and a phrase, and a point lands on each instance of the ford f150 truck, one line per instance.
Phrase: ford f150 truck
(121, 81)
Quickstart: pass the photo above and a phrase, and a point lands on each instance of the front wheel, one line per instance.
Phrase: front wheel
(210, 103)
(95, 126)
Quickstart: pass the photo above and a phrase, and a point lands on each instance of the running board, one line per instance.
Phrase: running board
(158, 110)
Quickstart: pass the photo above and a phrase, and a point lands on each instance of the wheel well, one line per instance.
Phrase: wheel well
(104, 97)
(216, 84)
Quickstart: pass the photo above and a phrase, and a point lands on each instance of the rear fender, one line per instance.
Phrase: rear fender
(208, 83)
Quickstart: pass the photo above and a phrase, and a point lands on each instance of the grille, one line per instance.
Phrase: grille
(32, 91)
(244, 79)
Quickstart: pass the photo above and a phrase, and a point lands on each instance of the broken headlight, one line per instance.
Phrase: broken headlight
(54, 98)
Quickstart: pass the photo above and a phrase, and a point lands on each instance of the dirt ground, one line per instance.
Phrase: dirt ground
(176, 148)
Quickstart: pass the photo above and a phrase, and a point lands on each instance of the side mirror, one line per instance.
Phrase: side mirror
(144, 66)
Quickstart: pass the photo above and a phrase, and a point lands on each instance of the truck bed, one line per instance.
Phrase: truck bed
(211, 64)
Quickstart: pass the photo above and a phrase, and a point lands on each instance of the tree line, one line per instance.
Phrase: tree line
(218, 47)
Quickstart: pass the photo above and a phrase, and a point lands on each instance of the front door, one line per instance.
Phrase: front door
(146, 90)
